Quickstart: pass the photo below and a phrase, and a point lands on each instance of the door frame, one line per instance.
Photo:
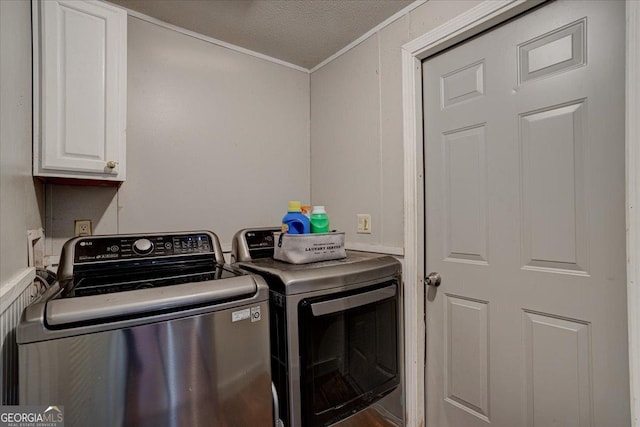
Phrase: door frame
(475, 20)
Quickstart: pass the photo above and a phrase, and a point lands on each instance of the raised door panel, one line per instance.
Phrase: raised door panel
(557, 361)
(467, 355)
(82, 93)
(465, 195)
(554, 215)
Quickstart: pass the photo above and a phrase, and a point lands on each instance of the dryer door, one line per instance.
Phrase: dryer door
(349, 351)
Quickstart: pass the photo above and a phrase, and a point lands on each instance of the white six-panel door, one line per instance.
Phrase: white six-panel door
(525, 222)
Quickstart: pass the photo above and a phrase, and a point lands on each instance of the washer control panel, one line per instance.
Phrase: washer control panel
(142, 246)
(109, 248)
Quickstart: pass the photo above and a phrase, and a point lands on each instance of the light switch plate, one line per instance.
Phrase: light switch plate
(364, 224)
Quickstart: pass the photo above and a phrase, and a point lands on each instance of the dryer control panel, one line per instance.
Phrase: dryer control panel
(253, 243)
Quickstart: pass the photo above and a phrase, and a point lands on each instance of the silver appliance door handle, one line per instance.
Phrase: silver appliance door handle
(277, 422)
(353, 301)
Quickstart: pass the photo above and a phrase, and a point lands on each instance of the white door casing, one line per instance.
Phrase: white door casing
(466, 25)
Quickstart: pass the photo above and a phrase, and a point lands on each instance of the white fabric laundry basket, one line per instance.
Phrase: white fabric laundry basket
(306, 248)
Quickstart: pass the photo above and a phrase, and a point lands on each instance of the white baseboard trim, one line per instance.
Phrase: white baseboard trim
(12, 289)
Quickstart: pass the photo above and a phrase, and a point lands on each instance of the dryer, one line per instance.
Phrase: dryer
(335, 331)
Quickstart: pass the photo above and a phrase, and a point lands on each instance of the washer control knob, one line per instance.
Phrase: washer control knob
(142, 246)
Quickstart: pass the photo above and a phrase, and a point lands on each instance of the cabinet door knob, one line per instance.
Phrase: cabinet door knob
(111, 164)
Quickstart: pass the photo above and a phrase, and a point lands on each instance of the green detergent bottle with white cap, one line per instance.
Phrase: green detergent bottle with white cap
(319, 220)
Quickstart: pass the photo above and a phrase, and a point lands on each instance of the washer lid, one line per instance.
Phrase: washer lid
(136, 303)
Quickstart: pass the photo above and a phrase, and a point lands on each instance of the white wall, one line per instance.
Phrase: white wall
(216, 140)
(21, 198)
(356, 129)
(242, 124)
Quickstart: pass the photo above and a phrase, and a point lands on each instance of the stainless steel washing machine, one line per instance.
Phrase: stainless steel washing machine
(336, 333)
(149, 330)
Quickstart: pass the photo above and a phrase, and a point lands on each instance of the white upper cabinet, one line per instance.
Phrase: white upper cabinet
(80, 90)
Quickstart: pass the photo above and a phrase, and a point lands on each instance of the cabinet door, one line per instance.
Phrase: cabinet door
(82, 93)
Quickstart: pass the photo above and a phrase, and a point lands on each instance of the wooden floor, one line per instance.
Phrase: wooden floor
(369, 417)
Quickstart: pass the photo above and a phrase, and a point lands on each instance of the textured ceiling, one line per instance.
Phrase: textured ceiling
(301, 32)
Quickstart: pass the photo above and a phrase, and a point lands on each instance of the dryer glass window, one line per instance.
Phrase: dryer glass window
(348, 347)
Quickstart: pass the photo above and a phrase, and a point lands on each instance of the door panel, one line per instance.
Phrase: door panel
(553, 212)
(466, 355)
(557, 383)
(465, 195)
(525, 220)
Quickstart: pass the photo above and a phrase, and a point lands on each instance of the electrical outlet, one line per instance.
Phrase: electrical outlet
(364, 224)
(82, 227)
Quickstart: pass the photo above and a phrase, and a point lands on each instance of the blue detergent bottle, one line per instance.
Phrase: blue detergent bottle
(295, 222)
